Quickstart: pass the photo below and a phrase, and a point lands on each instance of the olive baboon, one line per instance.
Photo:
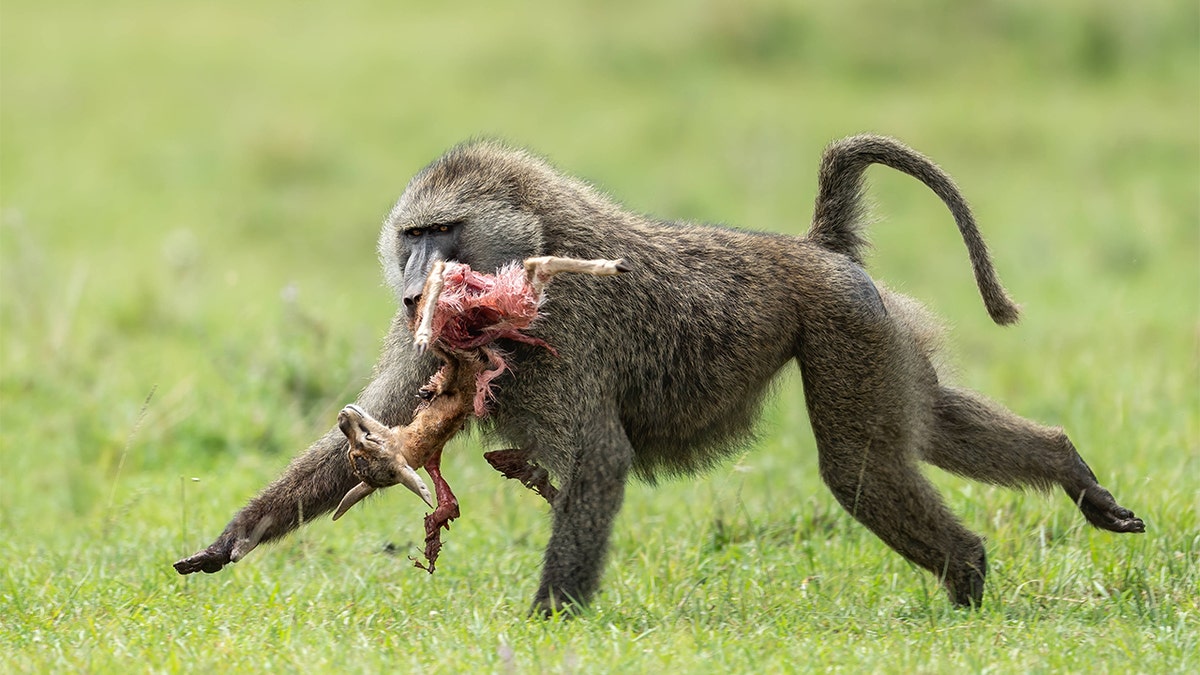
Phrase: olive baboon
(662, 370)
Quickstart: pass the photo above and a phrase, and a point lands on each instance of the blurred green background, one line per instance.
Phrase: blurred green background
(190, 195)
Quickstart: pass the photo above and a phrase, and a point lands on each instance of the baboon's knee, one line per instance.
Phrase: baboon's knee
(903, 509)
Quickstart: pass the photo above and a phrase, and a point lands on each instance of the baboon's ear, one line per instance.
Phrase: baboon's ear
(354, 496)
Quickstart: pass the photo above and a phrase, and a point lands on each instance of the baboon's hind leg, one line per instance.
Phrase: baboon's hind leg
(870, 393)
(979, 439)
(884, 490)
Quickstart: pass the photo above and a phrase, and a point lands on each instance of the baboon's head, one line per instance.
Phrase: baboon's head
(479, 204)
(377, 458)
(485, 204)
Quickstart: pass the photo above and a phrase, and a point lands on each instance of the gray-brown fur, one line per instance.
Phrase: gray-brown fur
(662, 370)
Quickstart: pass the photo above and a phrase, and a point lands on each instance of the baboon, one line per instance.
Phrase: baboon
(662, 370)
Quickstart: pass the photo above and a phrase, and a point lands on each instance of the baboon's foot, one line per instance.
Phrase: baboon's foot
(965, 584)
(1103, 511)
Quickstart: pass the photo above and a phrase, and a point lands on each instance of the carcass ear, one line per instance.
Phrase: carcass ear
(412, 481)
(354, 496)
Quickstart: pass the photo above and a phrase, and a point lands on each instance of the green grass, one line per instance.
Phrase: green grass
(189, 199)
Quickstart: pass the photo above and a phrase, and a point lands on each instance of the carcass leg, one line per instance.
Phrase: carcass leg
(446, 511)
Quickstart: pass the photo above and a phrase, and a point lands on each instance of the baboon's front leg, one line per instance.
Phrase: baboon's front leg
(584, 511)
(315, 482)
(312, 485)
(980, 439)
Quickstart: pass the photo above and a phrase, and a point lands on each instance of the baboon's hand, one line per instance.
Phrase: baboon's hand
(210, 560)
(228, 548)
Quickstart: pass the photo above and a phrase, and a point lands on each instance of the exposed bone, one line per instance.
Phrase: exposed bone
(423, 335)
(540, 270)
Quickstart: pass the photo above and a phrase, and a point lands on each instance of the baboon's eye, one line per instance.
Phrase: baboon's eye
(414, 232)
(443, 228)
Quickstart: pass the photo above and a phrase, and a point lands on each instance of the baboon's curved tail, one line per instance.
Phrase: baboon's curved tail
(837, 218)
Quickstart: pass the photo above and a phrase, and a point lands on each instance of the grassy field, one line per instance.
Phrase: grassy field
(189, 200)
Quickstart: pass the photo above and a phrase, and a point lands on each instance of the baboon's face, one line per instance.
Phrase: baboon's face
(475, 205)
(424, 246)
